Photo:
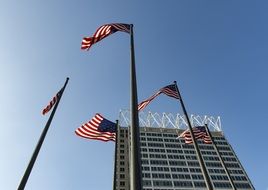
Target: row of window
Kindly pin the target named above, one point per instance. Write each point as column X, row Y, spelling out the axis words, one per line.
column 192, row 170
column 218, row 165
column 169, row 149
column 184, row 146
column 172, row 169
column 188, row 177
column 197, row 184
column 158, row 183
column 173, row 156
column 158, row 135
column 177, row 163
column 190, row 163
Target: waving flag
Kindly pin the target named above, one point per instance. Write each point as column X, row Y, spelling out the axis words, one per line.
column 98, row 128
column 103, row 32
column 52, row 103
column 169, row 90
column 199, row 133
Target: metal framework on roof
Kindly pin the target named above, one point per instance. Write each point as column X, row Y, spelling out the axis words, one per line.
column 169, row 120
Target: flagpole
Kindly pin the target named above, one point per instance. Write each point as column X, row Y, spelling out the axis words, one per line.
column 135, row 160
column 115, row 154
column 39, row 144
column 221, row 160
column 199, row 157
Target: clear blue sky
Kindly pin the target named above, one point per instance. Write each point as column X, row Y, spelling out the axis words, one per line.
column 215, row 50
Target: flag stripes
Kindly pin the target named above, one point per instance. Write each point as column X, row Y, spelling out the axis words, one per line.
column 98, row 128
column 199, row 133
column 144, row 103
column 102, row 32
column 52, row 103
column 169, row 90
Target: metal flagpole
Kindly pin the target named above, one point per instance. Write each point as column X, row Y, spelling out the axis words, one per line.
column 200, row 159
column 115, row 154
column 40, row 142
column 221, row 160
column 135, row 160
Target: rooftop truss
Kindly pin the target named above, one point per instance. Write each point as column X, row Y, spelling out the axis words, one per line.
column 169, row 120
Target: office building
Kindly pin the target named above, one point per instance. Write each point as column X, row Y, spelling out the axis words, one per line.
column 170, row 164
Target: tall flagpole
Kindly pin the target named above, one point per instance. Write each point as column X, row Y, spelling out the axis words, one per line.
column 115, row 153
column 39, row 144
column 221, row 160
column 200, row 159
column 135, row 160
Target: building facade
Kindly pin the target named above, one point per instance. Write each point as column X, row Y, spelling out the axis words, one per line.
column 170, row 164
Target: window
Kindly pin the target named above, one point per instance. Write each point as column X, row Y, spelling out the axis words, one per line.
column 162, row 183
column 219, row 177
column 144, row 161
column 177, row 163
column 199, row 184
column 181, row 176
column 211, row 158
column 224, row 148
column 191, row 157
column 193, row 163
column 179, row 170
column 232, row 165
column 218, row 171
column 122, row 183
column 174, row 151
column 195, row 176
column 183, row 184
column 222, row 185
column 213, row 164
column 195, row 170
column 158, row 156
column 236, row 171
column 242, row 185
column 144, row 155
column 158, row 162
column 161, row 175
column 166, row 169
column 145, row 168
column 176, row 156
column 146, row 183
column 239, row 178
column 146, row 175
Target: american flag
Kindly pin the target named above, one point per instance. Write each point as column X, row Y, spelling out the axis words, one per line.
column 199, row 133
column 103, row 32
column 169, row 90
column 52, row 103
column 98, row 128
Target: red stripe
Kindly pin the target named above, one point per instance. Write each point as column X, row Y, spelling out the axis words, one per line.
column 51, row 103
column 90, row 130
column 102, row 32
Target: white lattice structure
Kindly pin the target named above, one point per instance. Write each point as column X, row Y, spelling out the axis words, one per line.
column 168, row 120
